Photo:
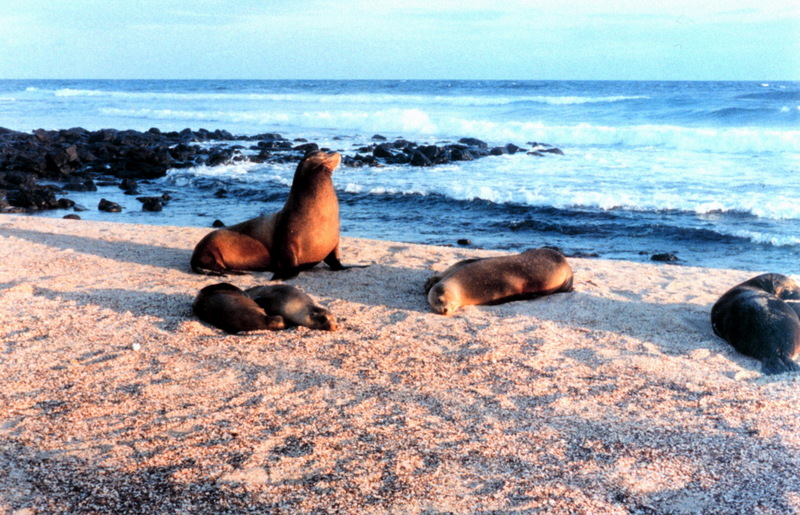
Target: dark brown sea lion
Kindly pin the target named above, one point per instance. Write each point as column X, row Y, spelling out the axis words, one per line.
column 294, row 305
column 303, row 233
column 761, row 318
column 227, row 307
column 531, row 274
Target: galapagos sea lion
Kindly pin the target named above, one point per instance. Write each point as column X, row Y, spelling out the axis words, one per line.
column 303, row 233
column 295, row 306
column 271, row 307
column 761, row 319
column 225, row 306
column 496, row 280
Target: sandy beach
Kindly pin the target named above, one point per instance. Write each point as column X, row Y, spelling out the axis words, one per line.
column 614, row 398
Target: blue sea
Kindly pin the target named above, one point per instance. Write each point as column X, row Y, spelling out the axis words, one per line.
column 708, row 171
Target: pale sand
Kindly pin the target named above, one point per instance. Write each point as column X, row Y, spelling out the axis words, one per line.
column 615, row 398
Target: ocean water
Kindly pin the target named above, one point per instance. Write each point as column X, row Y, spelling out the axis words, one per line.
column 709, row 171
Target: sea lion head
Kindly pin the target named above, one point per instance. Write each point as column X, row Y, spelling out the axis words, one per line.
column 789, row 290
column 444, row 298
column 319, row 159
column 322, row 319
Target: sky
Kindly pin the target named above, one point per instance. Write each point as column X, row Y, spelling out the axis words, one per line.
column 407, row 39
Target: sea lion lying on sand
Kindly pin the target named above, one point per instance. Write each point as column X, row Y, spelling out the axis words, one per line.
column 496, row 280
column 226, row 306
column 296, row 238
column 294, row 305
column 273, row 307
column 761, row 319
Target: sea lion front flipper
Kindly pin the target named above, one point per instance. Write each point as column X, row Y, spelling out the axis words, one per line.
column 333, row 262
column 431, row 282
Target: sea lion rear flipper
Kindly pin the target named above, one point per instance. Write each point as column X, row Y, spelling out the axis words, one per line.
column 778, row 365
column 285, row 273
column 568, row 285
column 217, row 273
column 347, row 267
column 275, row 323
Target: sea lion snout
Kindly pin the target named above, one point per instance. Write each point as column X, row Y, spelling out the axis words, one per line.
column 323, row 319
column 440, row 300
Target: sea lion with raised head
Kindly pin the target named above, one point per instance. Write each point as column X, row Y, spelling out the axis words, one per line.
column 761, row 318
column 295, row 306
column 303, row 233
column 496, row 280
column 226, row 306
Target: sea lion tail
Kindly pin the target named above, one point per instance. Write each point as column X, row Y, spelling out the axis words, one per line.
column 778, row 365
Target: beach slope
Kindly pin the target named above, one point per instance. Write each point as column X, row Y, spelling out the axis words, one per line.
column 614, row 398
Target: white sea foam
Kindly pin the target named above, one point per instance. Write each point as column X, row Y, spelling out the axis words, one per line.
column 233, row 170
column 575, row 100
column 770, row 239
column 734, row 140
column 717, row 157
column 417, row 122
column 351, row 98
column 647, row 183
column 612, row 199
column 198, row 116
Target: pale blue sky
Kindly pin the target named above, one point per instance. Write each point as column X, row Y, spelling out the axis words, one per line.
column 408, row 39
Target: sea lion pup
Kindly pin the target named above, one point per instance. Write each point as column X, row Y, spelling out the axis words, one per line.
column 227, row 307
column 294, row 305
column 496, row 280
column 761, row 319
column 303, row 233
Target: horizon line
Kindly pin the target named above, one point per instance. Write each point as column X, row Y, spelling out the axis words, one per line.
column 387, row 79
